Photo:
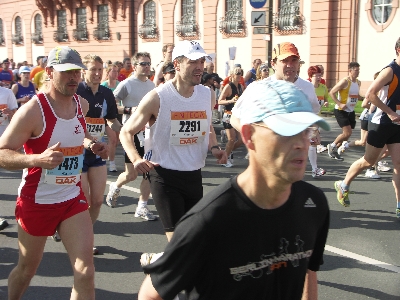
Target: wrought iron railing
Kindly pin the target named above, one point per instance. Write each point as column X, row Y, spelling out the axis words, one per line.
column 288, row 19
column 148, row 30
column 80, row 34
column 187, row 27
column 60, row 36
column 37, row 38
column 2, row 41
column 17, row 39
column 233, row 24
column 101, row 34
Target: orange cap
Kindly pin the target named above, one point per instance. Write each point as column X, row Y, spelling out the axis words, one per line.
column 284, row 50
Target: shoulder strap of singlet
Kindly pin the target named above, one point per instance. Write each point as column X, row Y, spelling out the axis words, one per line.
column 79, row 113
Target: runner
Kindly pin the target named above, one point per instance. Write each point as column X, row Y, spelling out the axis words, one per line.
column 262, row 234
column 229, row 95
column 130, row 93
column 102, row 108
column 25, row 89
column 286, row 61
column 251, row 74
column 8, row 107
column 167, row 57
column 6, row 75
column 50, row 190
column 347, row 91
column 384, row 129
column 179, row 116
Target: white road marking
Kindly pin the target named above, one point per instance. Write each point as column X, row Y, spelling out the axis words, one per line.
column 364, row 259
column 132, row 189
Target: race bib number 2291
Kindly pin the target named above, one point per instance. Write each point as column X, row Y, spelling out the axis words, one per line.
column 188, row 127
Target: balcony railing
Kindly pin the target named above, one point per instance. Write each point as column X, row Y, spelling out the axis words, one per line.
column 17, row 39
column 37, row 38
column 60, row 36
column 233, row 24
column 148, row 30
column 101, row 34
column 80, row 34
column 288, row 20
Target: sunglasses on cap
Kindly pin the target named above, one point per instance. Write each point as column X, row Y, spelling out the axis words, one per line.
column 144, row 63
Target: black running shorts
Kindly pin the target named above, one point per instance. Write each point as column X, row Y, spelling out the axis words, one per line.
column 174, row 193
column 381, row 134
column 345, row 118
column 139, row 149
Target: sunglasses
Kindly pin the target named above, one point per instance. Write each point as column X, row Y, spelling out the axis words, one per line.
column 171, row 72
column 309, row 131
column 264, row 70
column 144, row 63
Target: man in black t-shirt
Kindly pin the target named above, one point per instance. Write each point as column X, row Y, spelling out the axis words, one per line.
column 262, row 234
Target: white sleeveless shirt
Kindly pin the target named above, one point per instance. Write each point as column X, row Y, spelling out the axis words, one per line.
column 178, row 139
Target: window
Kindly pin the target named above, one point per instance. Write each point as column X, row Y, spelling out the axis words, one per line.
column 61, row 35
column 17, row 37
column 80, row 33
column 288, row 19
column 187, row 27
column 37, row 36
column 148, row 30
column 233, row 24
column 102, row 32
column 382, row 10
column 2, row 40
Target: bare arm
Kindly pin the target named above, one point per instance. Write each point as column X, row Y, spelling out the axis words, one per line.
column 247, row 76
column 384, row 77
column 147, row 290
column 310, row 291
column 158, row 74
column 339, row 86
column 147, row 110
column 226, row 92
column 17, row 133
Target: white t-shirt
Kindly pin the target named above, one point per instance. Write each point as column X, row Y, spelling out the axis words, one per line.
column 7, row 100
column 307, row 88
column 131, row 91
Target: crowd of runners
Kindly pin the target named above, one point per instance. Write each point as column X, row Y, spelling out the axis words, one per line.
column 164, row 119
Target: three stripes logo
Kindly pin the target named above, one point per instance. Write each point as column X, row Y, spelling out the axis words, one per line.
column 309, row 203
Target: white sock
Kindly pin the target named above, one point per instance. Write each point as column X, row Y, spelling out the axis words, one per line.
column 312, row 157
column 141, row 204
column 112, row 162
column 333, row 145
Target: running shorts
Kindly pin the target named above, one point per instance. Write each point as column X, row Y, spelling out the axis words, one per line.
column 139, row 149
column 381, row 134
column 92, row 162
column 345, row 118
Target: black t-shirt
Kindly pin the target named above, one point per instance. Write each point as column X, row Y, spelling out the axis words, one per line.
column 235, row 91
column 101, row 105
column 226, row 247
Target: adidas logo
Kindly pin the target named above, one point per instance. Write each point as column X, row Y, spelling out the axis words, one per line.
column 309, row 203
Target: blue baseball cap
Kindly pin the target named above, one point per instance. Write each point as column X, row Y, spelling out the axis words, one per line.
column 24, row 69
column 283, row 107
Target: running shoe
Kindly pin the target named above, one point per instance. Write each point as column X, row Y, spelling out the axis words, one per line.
column 398, row 212
column 321, row 148
column 333, row 153
column 342, row 196
column 318, row 172
column 3, row 224
column 56, row 237
column 372, row 174
column 95, row 251
column 148, row 258
column 343, row 147
column 112, row 167
column 383, row 166
column 144, row 213
column 113, row 194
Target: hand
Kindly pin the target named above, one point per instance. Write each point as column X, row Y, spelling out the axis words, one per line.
column 6, row 111
column 143, row 166
column 50, row 158
column 100, row 149
column 220, row 155
column 394, row 117
column 342, row 106
column 326, row 104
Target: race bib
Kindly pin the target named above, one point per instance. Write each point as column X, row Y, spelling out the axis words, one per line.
column 188, row 127
column 226, row 118
column 352, row 101
column 69, row 171
column 96, row 127
column 3, row 118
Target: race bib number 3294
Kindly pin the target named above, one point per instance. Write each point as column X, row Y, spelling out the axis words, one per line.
column 188, row 127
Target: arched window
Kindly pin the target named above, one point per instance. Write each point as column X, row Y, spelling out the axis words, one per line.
column 187, row 26
column 37, row 36
column 382, row 10
column 17, row 37
column 2, row 40
column 102, row 32
column 148, row 30
column 233, row 23
column 80, row 33
column 61, row 35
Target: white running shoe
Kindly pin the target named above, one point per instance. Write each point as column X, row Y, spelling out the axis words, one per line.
column 113, row 194
column 56, row 237
column 148, row 258
column 112, row 167
column 321, row 148
column 383, row 166
column 144, row 213
column 373, row 174
column 318, row 172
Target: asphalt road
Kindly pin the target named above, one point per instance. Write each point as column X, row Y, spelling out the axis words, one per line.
column 362, row 258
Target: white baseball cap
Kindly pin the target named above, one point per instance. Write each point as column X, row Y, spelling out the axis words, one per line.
column 189, row 49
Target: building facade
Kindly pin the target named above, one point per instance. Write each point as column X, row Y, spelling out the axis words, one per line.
column 331, row 32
